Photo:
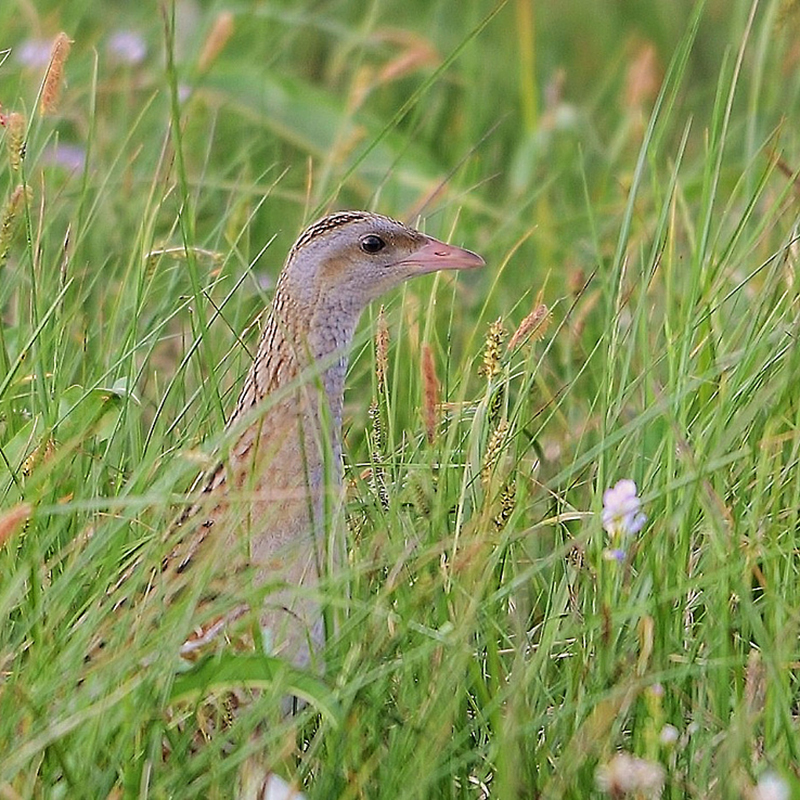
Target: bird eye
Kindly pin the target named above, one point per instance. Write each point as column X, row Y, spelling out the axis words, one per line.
column 372, row 244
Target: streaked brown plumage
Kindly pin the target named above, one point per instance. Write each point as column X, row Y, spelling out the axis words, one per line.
column 269, row 501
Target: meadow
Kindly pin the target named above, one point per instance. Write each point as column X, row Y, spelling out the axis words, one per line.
column 631, row 174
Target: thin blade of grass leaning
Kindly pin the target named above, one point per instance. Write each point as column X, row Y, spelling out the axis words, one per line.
column 187, row 211
column 666, row 99
column 234, row 670
column 54, row 306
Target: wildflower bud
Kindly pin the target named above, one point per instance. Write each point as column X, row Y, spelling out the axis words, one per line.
column 15, row 124
column 430, row 388
column 54, row 77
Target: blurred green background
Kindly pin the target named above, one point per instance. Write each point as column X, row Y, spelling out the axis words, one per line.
column 512, row 110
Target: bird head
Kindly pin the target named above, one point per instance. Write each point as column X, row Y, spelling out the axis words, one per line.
column 352, row 257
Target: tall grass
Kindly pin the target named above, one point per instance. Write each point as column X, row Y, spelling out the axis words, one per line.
column 633, row 169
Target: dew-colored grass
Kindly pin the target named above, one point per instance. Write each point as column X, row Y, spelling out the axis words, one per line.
column 633, row 167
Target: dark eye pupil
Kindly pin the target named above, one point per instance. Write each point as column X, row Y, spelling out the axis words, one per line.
column 372, row 244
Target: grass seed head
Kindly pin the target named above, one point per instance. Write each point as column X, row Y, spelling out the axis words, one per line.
column 381, row 352
column 377, row 475
column 494, row 449
column 430, row 384
column 508, row 497
column 15, row 123
column 492, row 350
column 377, row 435
column 10, row 216
column 54, row 77
column 41, row 454
column 643, row 78
column 534, row 326
column 13, row 520
column 420, row 498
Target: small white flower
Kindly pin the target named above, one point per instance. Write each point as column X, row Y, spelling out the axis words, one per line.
column 770, row 786
column 276, row 788
column 669, row 735
column 628, row 774
column 622, row 509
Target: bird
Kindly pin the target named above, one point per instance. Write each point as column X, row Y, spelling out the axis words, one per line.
column 267, row 504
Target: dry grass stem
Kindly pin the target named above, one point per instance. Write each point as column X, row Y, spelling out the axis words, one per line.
column 643, row 78
column 220, row 33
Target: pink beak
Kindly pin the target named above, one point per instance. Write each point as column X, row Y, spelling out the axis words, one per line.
column 435, row 255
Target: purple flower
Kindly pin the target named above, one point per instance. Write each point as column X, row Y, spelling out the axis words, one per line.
column 622, row 509
column 127, row 47
column 615, row 554
column 34, row 53
column 71, row 157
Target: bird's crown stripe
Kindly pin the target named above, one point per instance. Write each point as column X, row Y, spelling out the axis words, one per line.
column 326, row 224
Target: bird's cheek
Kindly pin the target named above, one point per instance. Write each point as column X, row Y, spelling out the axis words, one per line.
column 377, row 288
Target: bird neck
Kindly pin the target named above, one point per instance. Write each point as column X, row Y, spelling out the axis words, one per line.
column 309, row 341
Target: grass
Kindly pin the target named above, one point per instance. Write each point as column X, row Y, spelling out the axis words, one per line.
column 633, row 167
